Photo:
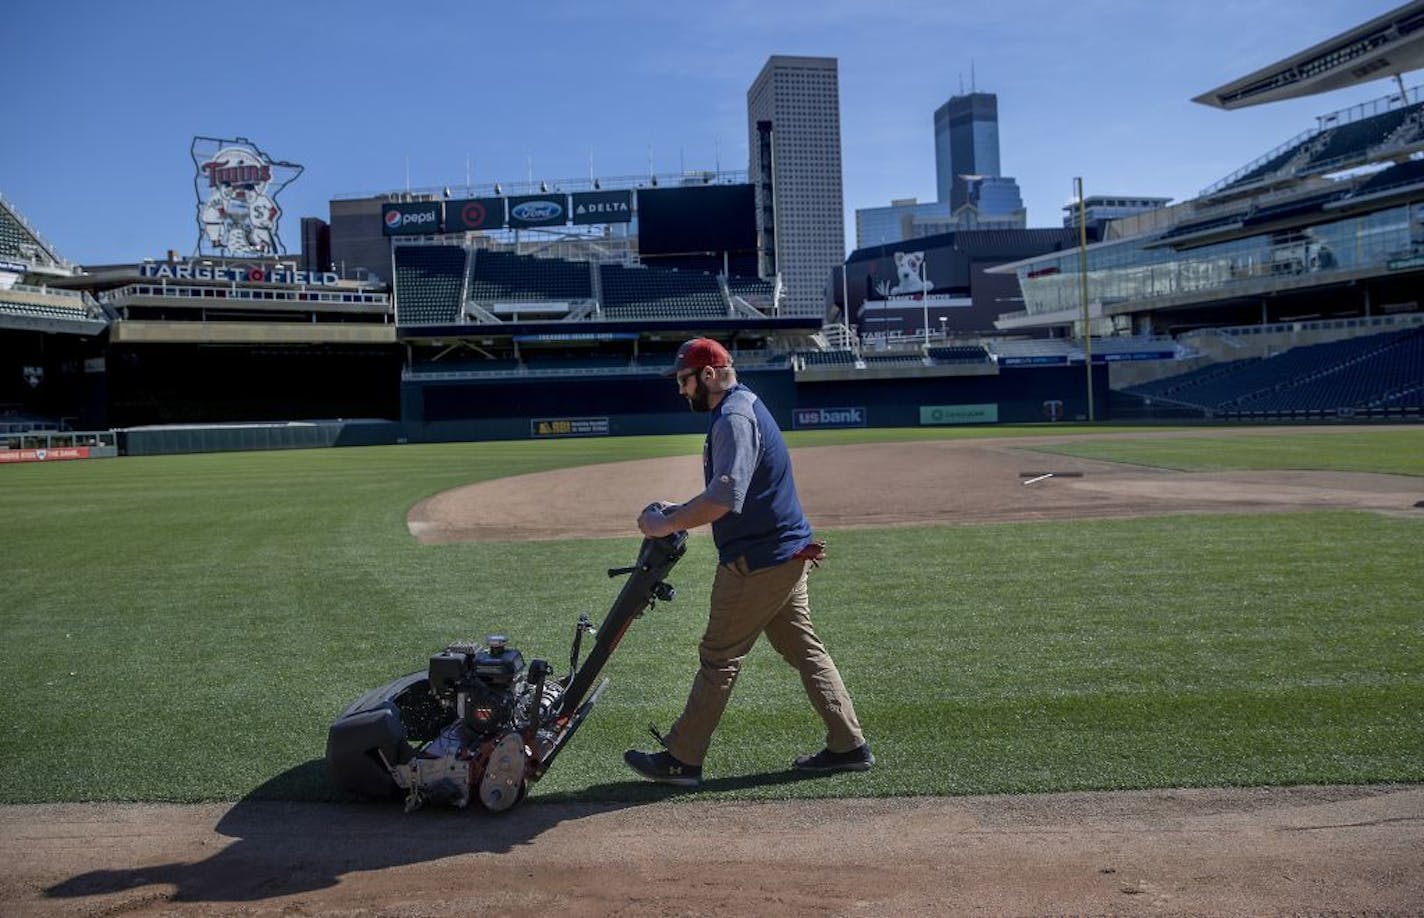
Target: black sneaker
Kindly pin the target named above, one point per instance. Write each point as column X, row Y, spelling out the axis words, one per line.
column 858, row 759
column 663, row 768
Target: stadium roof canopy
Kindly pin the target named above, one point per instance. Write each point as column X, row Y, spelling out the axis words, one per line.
column 1388, row 45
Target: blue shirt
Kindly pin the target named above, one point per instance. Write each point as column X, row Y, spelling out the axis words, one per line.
column 747, row 467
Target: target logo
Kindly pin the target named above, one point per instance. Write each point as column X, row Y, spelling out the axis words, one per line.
column 473, row 214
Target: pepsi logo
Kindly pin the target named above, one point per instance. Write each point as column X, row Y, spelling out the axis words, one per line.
column 393, row 218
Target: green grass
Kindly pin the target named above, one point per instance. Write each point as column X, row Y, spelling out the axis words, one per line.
column 184, row 628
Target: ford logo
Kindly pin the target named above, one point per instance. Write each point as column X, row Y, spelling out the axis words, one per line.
column 393, row 218
column 536, row 210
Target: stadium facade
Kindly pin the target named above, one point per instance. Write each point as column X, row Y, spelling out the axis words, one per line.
column 1288, row 289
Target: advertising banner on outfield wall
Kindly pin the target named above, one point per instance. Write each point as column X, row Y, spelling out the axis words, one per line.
column 603, row 207
column 417, row 218
column 807, row 418
column 538, row 210
column 568, row 427
column 474, row 214
column 52, row 454
column 959, row 414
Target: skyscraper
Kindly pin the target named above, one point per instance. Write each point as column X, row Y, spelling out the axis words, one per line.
column 805, row 223
column 966, row 130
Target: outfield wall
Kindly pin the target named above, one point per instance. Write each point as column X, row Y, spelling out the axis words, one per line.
column 505, row 408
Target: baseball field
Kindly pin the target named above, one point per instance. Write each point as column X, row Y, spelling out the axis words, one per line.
column 1101, row 669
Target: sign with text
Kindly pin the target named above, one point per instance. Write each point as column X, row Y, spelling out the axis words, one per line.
column 53, row 454
column 808, row 418
column 959, row 414
column 242, row 274
column 603, row 207
column 237, row 185
column 416, row 218
column 568, row 427
column 538, row 210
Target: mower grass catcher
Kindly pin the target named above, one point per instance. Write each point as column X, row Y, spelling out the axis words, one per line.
column 478, row 722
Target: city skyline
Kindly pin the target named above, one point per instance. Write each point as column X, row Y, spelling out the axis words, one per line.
column 368, row 101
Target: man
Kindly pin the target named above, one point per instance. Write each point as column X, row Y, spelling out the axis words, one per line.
column 765, row 551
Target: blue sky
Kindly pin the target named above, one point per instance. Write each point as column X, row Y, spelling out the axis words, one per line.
column 105, row 98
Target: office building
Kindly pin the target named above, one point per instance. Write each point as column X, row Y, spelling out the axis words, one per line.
column 794, row 131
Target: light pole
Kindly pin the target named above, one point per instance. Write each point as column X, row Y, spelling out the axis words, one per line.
column 925, row 304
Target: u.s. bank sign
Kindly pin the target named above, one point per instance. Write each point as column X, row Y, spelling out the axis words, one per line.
column 805, row 418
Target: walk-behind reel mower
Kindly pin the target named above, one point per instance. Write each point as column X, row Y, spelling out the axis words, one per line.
column 479, row 722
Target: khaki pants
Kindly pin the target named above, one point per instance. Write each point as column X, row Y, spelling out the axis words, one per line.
column 744, row 604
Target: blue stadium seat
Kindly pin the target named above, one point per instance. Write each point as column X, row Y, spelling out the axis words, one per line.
column 1351, row 373
column 428, row 282
column 511, row 278
column 657, row 293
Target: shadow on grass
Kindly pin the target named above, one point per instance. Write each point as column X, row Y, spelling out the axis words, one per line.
column 283, row 847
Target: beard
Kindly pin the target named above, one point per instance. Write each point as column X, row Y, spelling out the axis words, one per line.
column 700, row 400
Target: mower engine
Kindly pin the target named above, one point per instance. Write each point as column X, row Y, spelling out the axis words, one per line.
column 478, row 722
column 494, row 707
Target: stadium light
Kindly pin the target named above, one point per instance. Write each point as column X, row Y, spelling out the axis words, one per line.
column 925, row 305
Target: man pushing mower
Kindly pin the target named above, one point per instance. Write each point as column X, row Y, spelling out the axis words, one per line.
column 765, row 552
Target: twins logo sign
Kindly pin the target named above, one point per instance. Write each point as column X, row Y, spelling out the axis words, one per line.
column 804, row 418
column 237, row 186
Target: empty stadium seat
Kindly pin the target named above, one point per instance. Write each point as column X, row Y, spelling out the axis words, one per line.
column 1352, row 373
column 498, row 276
column 656, row 293
column 428, row 283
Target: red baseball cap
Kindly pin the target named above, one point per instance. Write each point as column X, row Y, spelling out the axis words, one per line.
column 699, row 353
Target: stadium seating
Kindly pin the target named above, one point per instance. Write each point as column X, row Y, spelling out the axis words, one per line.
column 959, row 354
column 1350, row 373
column 893, row 360
column 1351, row 141
column 508, row 277
column 43, row 311
column 757, row 293
column 428, row 283
column 1390, row 369
column 1406, row 173
column 1179, row 386
column 655, row 293
column 1273, row 164
column 826, row 358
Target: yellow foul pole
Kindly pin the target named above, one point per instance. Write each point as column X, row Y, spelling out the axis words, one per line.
column 1083, row 280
